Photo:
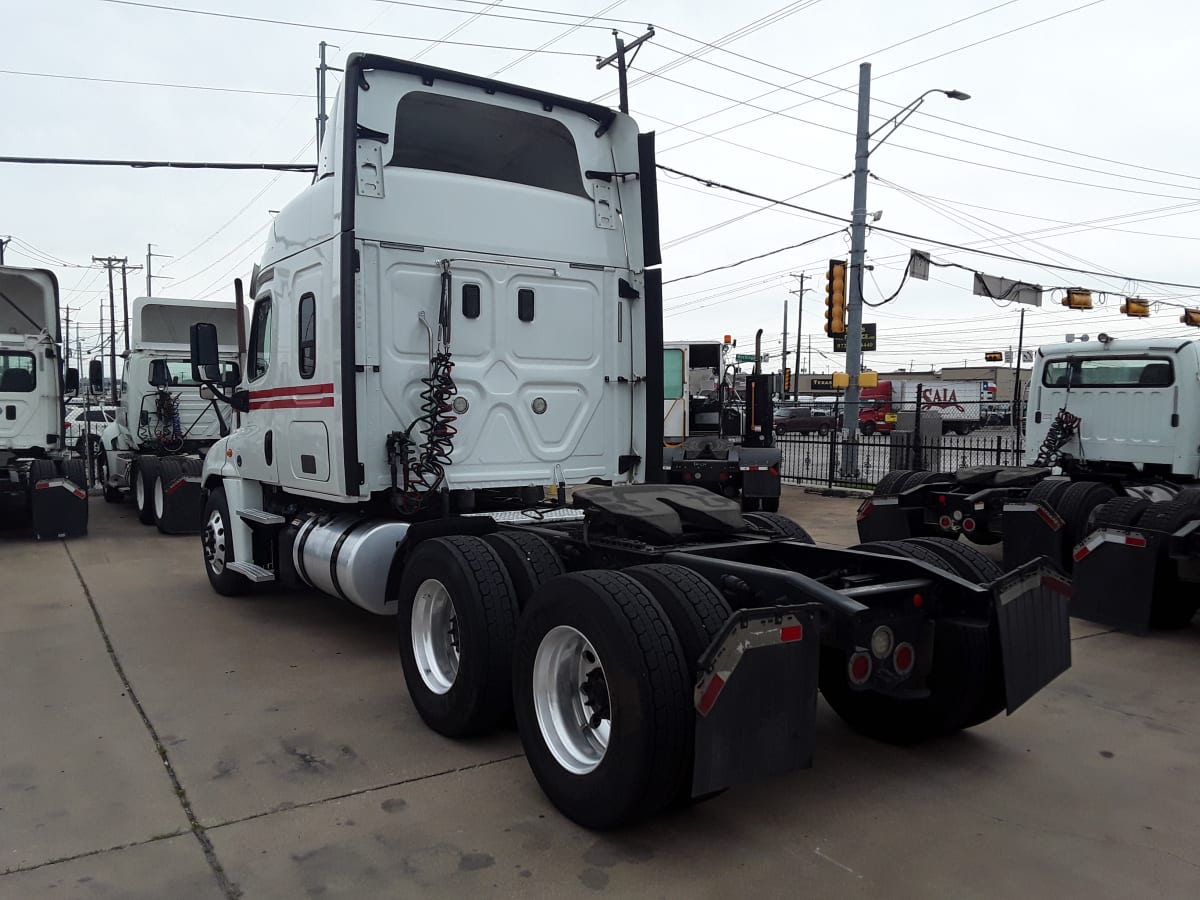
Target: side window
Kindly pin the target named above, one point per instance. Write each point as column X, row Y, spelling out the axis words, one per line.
column 672, row 374
column 260, row 339
column 308, row 335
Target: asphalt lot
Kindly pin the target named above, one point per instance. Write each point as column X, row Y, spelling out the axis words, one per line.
column 160, row 741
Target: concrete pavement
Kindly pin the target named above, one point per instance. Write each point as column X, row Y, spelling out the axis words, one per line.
column 157, row 740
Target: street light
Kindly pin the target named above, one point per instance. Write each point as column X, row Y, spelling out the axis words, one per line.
column 858, row 238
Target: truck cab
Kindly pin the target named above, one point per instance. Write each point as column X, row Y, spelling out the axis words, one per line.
column 31, row 388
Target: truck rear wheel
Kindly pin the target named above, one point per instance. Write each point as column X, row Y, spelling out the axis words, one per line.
column 908, row 550
column 1076, row 505
column 217, row 540
column 893, row 482
column 965, row 685
column 779, row 525
column 602, row 698
column 1120, row 513
column 963, row 559
column 169, row 471
column 1175, row 602
column 141, row 477
column 457, row 616
column 529, row 560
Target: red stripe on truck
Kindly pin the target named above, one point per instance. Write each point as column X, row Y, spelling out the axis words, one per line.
column 292, row 403
column 289, row 391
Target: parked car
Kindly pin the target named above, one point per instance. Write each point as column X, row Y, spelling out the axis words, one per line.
column 83, row 421
column 804, row 420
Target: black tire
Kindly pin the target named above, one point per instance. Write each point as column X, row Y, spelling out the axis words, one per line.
column 779, row 525
column 893, row 482
column 1121, row 512
column 824, row 430
column 919, row 478
column 697, row 612
column 1048, row 492
column 42, row 470
column 483, row 617
column 75, row 471
column 217, row 543
column 1076, row 505
column 908, row 550
column 750, row 504
column 98, row 459
column 866, row 429
column 170, row 470
column 1190, row 494
column 141, row 474
column 644, row 681
column 770, row 504
column 112, row 494
column 965, row 688
column 529, row 560
column 1175, row 602
column 966, row 562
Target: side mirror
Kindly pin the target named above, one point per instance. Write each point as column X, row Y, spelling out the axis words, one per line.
column 207, row 393
column 72, row 381
column 160, row 376
column 206, row 363
column 96, row 376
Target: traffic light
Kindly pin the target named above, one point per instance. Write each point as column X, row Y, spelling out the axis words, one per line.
column 1078, row 298
column 787, row 380
column 993, row 357
column 1191, row 317
column 835, row 297
column 1135, row 307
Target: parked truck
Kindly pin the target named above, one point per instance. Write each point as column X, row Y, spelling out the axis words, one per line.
column 164, row 426
column 416, row 365
column 1108, row 488
column 40, row 487
column 962, row 406
column 698, row 448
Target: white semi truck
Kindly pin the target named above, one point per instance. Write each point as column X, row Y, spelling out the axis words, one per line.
column 39, row 485
column 465, row 305
column 1112, row 430
column 163, row 426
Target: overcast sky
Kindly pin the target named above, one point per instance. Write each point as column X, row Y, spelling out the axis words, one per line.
column 1077, row 146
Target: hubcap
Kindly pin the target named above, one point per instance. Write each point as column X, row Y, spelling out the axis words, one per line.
column 435, row 637
column 214, row 542
column 570, row 697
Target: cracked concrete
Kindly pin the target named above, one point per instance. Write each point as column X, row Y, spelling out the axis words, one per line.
column 265, row 747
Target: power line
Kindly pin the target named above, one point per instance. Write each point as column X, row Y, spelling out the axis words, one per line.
column 155, row 164
column 158, row 84
column 290, row 24
column 505, row 15
column 921, row 238
column 554, row 40
column 548, row 12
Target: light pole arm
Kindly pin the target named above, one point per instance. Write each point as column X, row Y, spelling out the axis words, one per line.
column 897, row 120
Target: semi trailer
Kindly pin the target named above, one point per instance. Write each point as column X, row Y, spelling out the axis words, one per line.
column 163, row 426
column 962, row 406
column 40, row 486
column 417, row 369
column 1112, row 457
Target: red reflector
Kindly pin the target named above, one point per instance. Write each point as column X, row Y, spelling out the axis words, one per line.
column 1081, row 553
column 1047, row 518
column 791, row 633
column 773, row 470
column 1058, row 585
column 864, row 510
column 942, row 499
column 903, row 658
column 860, row 668
column 918, row 600
column 176, row 486
column 1134, row 540
column 968, row 525
column 724, row 476
column 41, row 485
column 80, row 494
column 945, row 522
column 710, row 694
column 687, row 476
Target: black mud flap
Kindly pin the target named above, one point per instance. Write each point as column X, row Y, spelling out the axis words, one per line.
column 182, row 506
column 1035, row 639
column 756, row 698
column 886, row 519
column 1031, row 530
column 1114, row 577
column 59, row 509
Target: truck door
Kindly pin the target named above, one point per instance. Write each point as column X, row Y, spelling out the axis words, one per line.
column 675, row 394
column 25, row 397
column 255, row 450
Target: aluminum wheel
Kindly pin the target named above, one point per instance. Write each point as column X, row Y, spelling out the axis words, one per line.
column 214, row 542
column 159, row 500
column 570, row 697
column 435, row 636
column 139, row 490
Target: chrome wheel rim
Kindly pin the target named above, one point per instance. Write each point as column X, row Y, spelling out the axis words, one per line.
column 159, row 501
column 214, row 542
column 570, row 697
column 435, row 636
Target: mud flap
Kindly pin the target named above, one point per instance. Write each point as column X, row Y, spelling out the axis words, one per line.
column 181, row 506
column 59, row 509
column 1031, row 530
column 1035, row 639
column 1114, row 577
column 756, row 698
column 886, row 519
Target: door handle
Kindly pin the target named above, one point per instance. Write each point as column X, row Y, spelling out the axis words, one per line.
column 269, row 446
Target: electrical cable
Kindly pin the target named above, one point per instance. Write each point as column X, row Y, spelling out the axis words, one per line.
column 752, row 258
column 156, row 164
column 158, row 84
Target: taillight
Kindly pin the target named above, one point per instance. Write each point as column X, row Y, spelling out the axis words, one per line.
column 859, row 668
column 903, row 658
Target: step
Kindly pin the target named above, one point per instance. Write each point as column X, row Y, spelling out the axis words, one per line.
column 255, row 573
column 260, row 517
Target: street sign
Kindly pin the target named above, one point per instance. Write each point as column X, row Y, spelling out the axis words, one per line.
column 868, row 339
column 821, row 384
column 744, row 357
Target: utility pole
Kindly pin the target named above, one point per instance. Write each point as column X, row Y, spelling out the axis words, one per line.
column 67, row 339
column 3, row 243
column 799, row 326
column 322, row 118
column 783, row 369
column 125, row 298
column 110, row 262
column 858, row 252
column 1016, row 402
column 150, row 254
column 623, row 64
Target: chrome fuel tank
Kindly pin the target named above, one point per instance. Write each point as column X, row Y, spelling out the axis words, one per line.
column 349, row 557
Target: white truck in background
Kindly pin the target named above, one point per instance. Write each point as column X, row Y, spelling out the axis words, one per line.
column 39, row 485
column 163, row 426
column 961, row 405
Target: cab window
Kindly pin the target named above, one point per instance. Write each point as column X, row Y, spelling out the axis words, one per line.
column 1110, row 372
column 307, row 333
column 260, row 339
column 18, row 372
column 672, row 374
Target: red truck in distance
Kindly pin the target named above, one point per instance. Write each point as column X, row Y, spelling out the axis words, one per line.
column 959, row 403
